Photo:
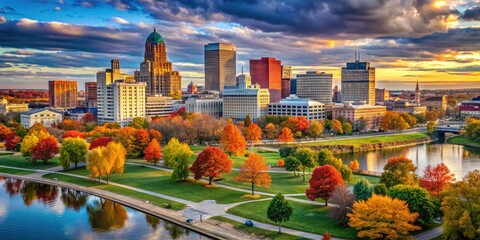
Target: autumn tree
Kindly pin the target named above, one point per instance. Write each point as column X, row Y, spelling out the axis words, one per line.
column 12, row 142
column 392, row 121
column 380, row 189
column 343, row 200
column 292, row 164
column 255, row 172
column 306, row 157
column 248, row 120
column 104, row 161
column 362, row 189
column 271, row 131
column 431, row 127
column 437, row 178
column 233, row 141
column 72, row 134
column 290, row 123
column 126, row 137
column 73, row 150
column 302, row 124
column 347, row 127
column 88, row 118
column 336, row 127
column 142, row 138
column 326, row 236
column 45, row 149
column 281, row 162
column 286, row 136
column 155, row 134
column 175, row 151
column 138, row 123
column 392, row 219
column 354, row 165
column 253, row 133
column 399, row 170
column 315, row 130
column 100, row 142
column 279, row 210
column 322, row 183
column 211, row 163
column 418, row 200
column 153, row 152
column 4, row 132
column 31, row 140
column 461, row 212
column 409, row 118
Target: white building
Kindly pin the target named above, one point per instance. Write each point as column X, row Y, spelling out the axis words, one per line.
column 316, row 86
column 158, row 106
column 245, row 99
column 296, row 107
column 45, row 116
column 213, row 107
column 119, row 100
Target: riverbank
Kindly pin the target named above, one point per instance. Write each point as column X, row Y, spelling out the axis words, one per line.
column 462, row 140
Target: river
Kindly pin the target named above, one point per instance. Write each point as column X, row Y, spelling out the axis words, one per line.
column 30, row 210
column 458, row 158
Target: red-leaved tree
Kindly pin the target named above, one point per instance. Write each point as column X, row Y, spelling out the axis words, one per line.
column 88, row 118
column 142, row 138
column 4, row 132
column 45, row 149
column 436, row 178
column 12, row 141
column 153, row 152
column 302, row 124
column 72, row 134
column 100, row 142
column 155, row 134
column 323, row 182
column 211, row 163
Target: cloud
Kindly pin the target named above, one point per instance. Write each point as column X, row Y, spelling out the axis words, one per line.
column 472, row 14
column 119, row 20
column 57, row 9
column 60, row 2
column 3, row 19
column 8, row 10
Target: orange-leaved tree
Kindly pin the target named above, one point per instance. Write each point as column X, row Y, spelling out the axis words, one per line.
column 142, row 138
column 302, row 124
column 286, row 136
column 253, row 133
column 72, row 134
column 382, row 217
column 254, row 171
column 437, row 178
column 155, row 134
column 211, row 163
column 354, row 165
column 233, row 141
column 324, row 180
column 153, row 152
column 271, row 131
column 336, row 127
column 4, row 132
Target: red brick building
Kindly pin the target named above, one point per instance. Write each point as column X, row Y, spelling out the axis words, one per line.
column 267, row 72
column 62, row 94
column 285, row 87
column 192, row 88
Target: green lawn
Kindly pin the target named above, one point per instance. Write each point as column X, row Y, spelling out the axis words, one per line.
column 305, row 217
column 156, row 180
column 21, row 162
column 15, row 171
column 5, row 153
column 257, row 232
column 161, row 202
column 197, row 148
column 462, row 140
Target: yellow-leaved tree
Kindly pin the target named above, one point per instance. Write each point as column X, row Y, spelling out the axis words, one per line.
column 104, row 161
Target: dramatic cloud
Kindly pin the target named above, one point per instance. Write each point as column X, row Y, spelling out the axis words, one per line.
column 472, row 14
column 119, row 20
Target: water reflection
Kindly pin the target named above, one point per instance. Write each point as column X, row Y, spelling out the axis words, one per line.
column 12, row 186
column 105, row 215
column 44, row 193
column 73, row 199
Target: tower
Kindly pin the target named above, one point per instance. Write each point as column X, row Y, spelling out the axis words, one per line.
column 417, row 94
column 267, row 72
column 220, row 66
column 358, row 82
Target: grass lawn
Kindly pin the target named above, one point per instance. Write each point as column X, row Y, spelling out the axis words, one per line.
column 304, row 197
column 15, row 171
column 161, row 202
column 257, row 232
column 6, row 153
column 21, row 162
column 462, row 140
column 305, row 217
column 197, row 148
column 159, row 181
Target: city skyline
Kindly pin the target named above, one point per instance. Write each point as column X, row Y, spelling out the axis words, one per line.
column 433, row 41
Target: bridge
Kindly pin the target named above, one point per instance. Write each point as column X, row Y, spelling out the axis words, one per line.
column 448, row 127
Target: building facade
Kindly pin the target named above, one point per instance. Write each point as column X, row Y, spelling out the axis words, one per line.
column 316, row 86
column 285, row 87
column 158, row 106
column 293, row 86
column 91, row 94
column 156, row 71
column 246, row 99
column 358, row 82
column 212, row 106
column 46, row 117
column 62, row 94
column 381, row 95
column 360, row 114
column 267, row 72
column 296, row 107
column 220, row 66
column 438, row 102
column 192, row 88
column 6, row 107
column 470, row 108
column 286, row 72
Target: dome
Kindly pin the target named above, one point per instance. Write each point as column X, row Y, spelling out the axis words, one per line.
column 154, row 37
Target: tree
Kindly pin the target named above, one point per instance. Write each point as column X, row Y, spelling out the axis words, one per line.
column 73, row 150
column 286, row 136
column 142, row 138
column 391, row 218
column 287, row 151
column 326, row 236
column 153, row 152
column 324, row 180
column 211, row 163
column 279, row 210
column 346, row 172
column 88, row 118
column 255, row 172
column 104, row 161
column 418, row 200
column 336, row 127
column 280, row 163
column 248, row 120
column 431, row 127
column 12, row 142
column 302, row 124
column 31, row 140
column 324, row 156
column 409, row 119
column 180, row 171
column 392, row 121
column 253, row 133
column 435, row 179
column 315, row 130
column 362, row 189
column 343, row 199
column 347, row 127
column 271, row 131
column 399, row 170
column 100, row 142
column 72, row 134
column 233, row 141
column 126, row 136
column 380, row 189
column 354, row 165
column 292, row 164
column 4, row 132
column 328, row 124
column 432, row 115
column 361, row 125
column 306, row 157
column 138, row 123
column 45, row 149
column 69, row 125
column 460, row 208
column 155, row 134
column 290, row 123
column 174, row 151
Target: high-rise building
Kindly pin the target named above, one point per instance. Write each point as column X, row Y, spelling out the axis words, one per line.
column 119, row 100
column 293, row 86
column 62, row 94
column 192, row 88
column 286, row 72
column 245, row 99
column 267, row 72
column 358, row 82
column 156, row 71
column 220, row 66
column 91, row 94
column 336, row 95
column 285, row 87
column 381, row 95
column 316, row 86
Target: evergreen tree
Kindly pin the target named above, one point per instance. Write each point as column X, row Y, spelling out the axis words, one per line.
column 279, row 210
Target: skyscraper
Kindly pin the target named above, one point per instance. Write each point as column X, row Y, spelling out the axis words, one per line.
column 220, row 66
column 267, row 72
column 316, row 86
column 358, row 82
column 91, row 94
column 156, row 70
column 286, row 76
column 62, row 94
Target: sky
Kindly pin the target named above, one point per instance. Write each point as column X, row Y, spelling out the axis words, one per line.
column 434, row 41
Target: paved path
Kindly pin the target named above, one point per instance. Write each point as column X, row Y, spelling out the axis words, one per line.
column 430, row 234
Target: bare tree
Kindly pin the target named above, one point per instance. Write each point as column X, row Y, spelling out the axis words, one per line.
column 343, row 200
